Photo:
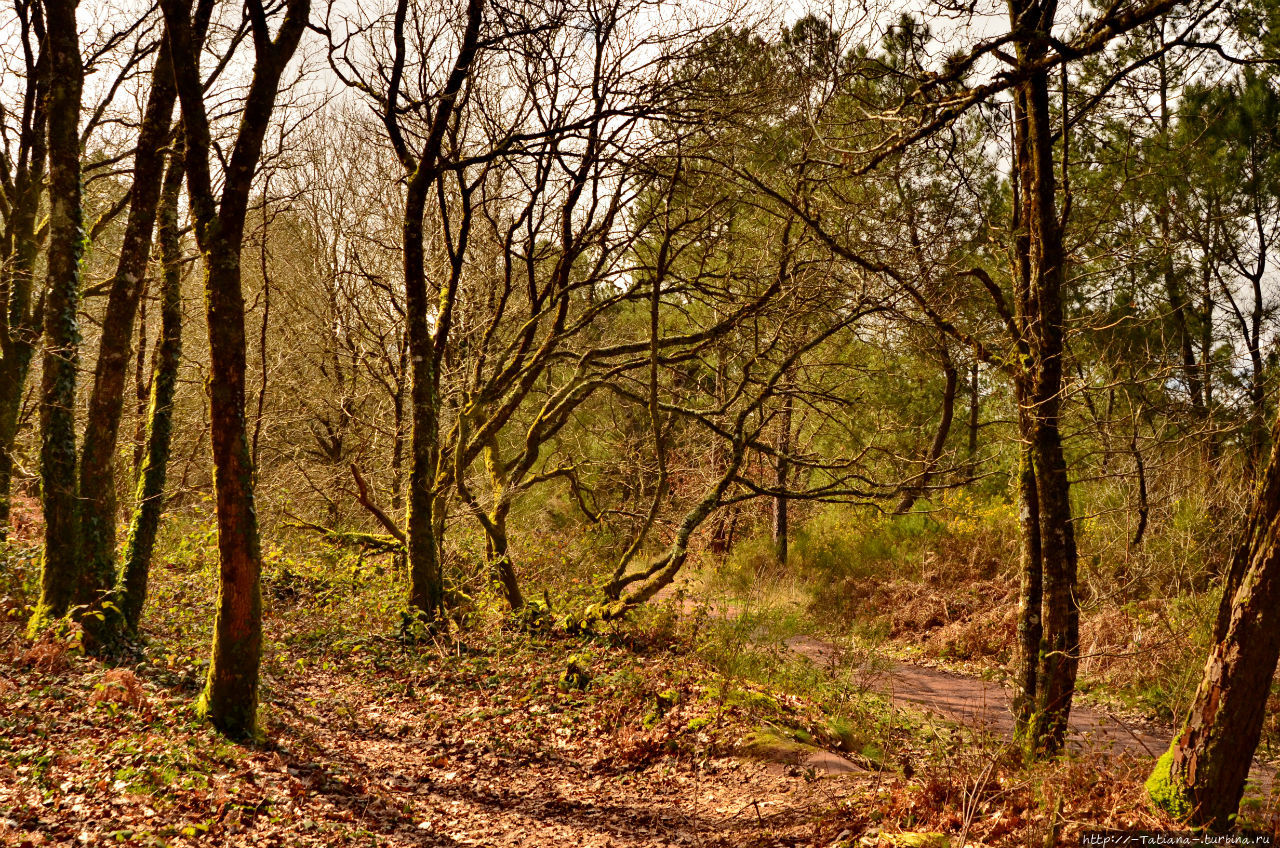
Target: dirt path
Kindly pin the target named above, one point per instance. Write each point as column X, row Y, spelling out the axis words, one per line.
column 988, row 705
column 350, row 755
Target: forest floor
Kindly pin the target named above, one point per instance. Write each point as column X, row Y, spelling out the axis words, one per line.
column 630, row 737
column 689, row 724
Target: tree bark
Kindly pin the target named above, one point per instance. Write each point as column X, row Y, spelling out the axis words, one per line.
column 503, row 572
column 975, row 412
column 1040, row 259
column 950, row 388
column 106, row 400
column 426, row 585
column 782, row 471
column 721, row 525
column 1031, row 589
column 1201, row 777
column 20, row 322
column 145, row 522
column 141, row 388
column 1144, row 506
column 61, row 582
column 230, row 696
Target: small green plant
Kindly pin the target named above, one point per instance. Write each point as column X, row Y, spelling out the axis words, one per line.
column 577, row 673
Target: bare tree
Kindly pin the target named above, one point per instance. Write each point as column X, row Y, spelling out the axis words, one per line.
column 230, row 696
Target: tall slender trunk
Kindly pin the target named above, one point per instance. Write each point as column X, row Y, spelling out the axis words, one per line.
column 1144, row 506
column 398, row 437
column 1177, row 298
column 106, row 400
column 1256, row 438
column 423, row 167
column 1061, row 642
column 499, row 557
column 782, row 473
column 426, row 584
column 722, row 523
column 1206, row 357
column 230, row 696
column 61, row 583
column 263, row 331
column 975, row 412
column 145, row 522
column 1031, row 590
column 141, row 388
column 951, row 385
column 1040, row 257
column 14, row 369
column 1201, row 777
column 20, row 322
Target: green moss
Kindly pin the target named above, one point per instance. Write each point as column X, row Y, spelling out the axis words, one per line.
column 1165, row 792
column 577, row 673
column 766, row 743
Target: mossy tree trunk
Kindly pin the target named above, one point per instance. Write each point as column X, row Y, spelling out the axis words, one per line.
column 496, row 540
column 145, row 522
column 1201, row 778
column 230, row 696
column 1044, row 711
column 1031, row 588
column 426, row 583
column 61, row 581
column 427, row 328
column 22, row 187
column 106, row 401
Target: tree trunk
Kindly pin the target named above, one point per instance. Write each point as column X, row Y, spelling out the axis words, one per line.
column 230, row 696
column 1144, row 506
column 61, row 583
column 426, row 501
column 1061, row 616
column 1206, row 359
column 503, row 572
column 975, row 411
column 426, row 585
column 722, row 523
column 21, row 324
column 1031, row 590
column 1201, row 777
column 141, row 389
column 782, row 470
column 106, row 401
column 1039, row 303
column 398, row 438
column 145, row 522
column 952, row 378
column 13, row 380
column 1177, row 298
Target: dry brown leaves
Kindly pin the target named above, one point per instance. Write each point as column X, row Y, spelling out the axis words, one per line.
column 119, row 686
column 50, row 653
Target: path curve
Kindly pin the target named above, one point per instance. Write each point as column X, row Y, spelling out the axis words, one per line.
column 988, row 705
